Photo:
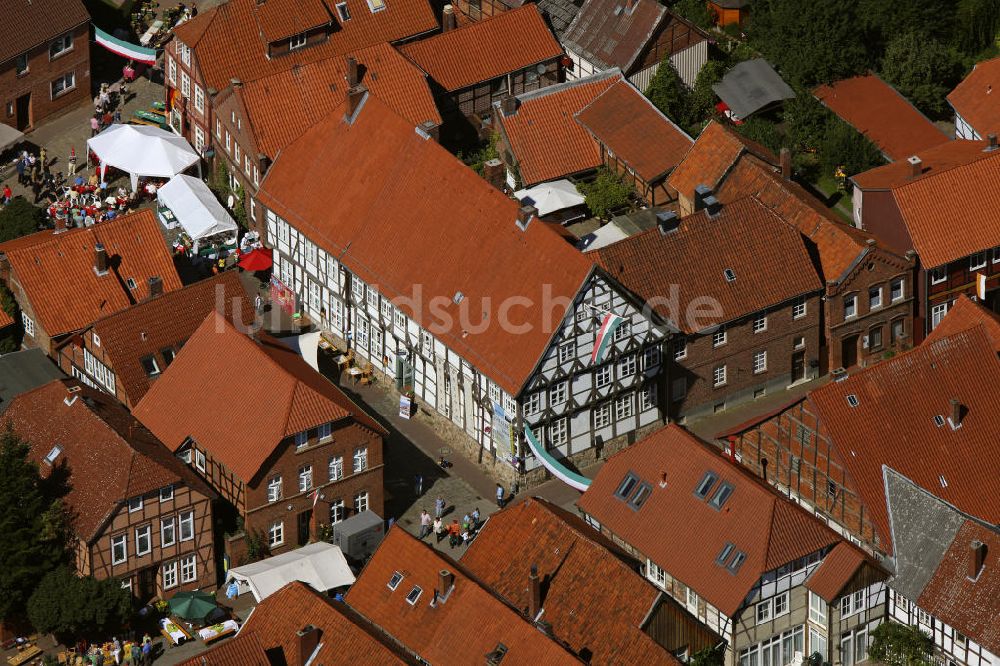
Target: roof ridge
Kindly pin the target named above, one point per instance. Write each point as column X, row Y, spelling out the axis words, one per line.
column 931, row 176
column 538, row 93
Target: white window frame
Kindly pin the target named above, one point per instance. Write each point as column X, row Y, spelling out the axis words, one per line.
column 134, row 504
column 119, row 541
column 335, row 468
column 533, row 403
column 648, row 397
column 361, row 501
column 296, row 41
column 301, row 439
column 627, row 366
column 850, row 306
column 189, row 569
column 939, row 275
column 169, row 575
column 305, row 478
column 901, row 283
column 66, row 46
column 559, row 432
column 276, row 533
column 650, row 358
column 567, row 351
column 144, row 532
column 759, row 362
column 559, row 393
column 199, row 138
column 324, row 432
column 199, row 459
column 603, row 375
column 185, row 84
column 680, row 348
column 936, row 310
column 623, row 331
column 763, row 612
column 199, row 98
column 874, row 298
column 799, row 308
column 602, row 415
column 817, row 609
column 360, row 461
column 186, row 523
column 719, row 376
column 719, row 337
column 337, row 511
column 172, row 71
column 624, row 406
column 168, row 532
column 166, row 493
column 784, row 610
column 274, row 489
column 977, row 260
column 68, row 81
column 760, row 324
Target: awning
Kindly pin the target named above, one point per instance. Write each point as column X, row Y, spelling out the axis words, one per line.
column 143, row 150
column 550, row 197
column 578, row 481
column 306, row 345
column 9, row 136
column 195, row 207
column 320, row 565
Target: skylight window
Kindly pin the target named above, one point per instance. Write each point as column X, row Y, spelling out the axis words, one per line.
column 53, row 454
column 627, row 485
column 705, row 486
column 852, row 400
column 723, row 557
column 413, row 595
column 641, row 495
column 730, row 275
column 938, row 420
column 376, row 5
column 724, row 492
column 343, row 12
column 396, row 579
column 737, row 562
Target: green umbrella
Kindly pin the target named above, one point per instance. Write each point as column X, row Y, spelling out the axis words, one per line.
column 192, row 605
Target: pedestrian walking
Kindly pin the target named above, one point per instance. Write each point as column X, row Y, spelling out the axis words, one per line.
column 95, row 125
column 147, row 652
column 418, row 485
column 439, row 529
column 425, row 524
column 439, row 506
column 7, row 194
column 258, row 303
column 22, row 164
column 475, row 518
column 500, row 496
column 42, row 155
column 71, row 162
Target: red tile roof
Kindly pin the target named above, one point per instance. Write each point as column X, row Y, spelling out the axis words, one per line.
column 836, row 571
column 311, row 92
column 166, row 322
column 609, row 35
column 973, row 98
column 27, row 24
column 56, row 271
column 5, row 319
column 768, row 256
column 390, row 212
column 897, row 402
column 707, row 162
column 690, row 535
column 485, row 50
column 593, row 599
column 227, row 41
column 878, row 111
column 469, row 623
column 240, row 417
column 935, row 159
column 109, row 455
column 270, row 634
column 946, row 218
column 971, row 606
column 286, row 18
column 963, row 315
column 543, row 136
column 637, row 133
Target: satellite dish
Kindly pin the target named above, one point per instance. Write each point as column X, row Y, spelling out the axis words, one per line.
column 230, row 201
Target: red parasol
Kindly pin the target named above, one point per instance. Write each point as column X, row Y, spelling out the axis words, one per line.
column 256, row 260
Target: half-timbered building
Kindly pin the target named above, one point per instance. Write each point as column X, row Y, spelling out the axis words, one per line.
column 139, row 514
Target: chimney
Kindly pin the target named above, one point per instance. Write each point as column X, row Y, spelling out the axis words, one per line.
column 508, row 106
column 525, row 215
column 352, row 72
column 493, row 172
column 446, row 580
column 264, row 163
column 977, row 560
column 355, row 95
column 155, row 286
column 916, row 166
column 236, row 83
column 667, row 222
column 100, row 259
column 992, row 142
column 701, row 192
column 429, row 128
column 786, row 163
column 308, row 639
column 712, row 205
column 448, row 21
column 956, row 413
column 534, row 593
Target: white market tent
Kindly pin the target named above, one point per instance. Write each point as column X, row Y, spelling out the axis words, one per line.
column 551, row 197
column 320, row 565
column 196, row 208
column 143, row 150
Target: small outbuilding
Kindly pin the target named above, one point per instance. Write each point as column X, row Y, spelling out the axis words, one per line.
column 752, row 86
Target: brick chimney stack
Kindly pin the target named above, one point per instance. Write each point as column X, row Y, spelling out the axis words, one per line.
column 352, row 72
column 448, row 19
column 307, row 640
column 493, row 172
column 916, row 166
column 956, row 412
column 977, row 559
column 155, row 286
column 525, row 215
column 100, row 259
column 534, row 593
column 355, row 95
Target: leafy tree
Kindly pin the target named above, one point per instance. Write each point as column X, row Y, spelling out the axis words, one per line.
column 19, row 218
column 810, row 42
column 709, row 656
column 843, row 146
column 977, row 23
column 668, row 92
column 884, row 18
column 10, row 337
column 607, row 193
column 31, row 546
column 697, row 12
column 900, row 645
column 764, row 131
column 806, row 120
column 257, row 546
column 701, row 100
column 71, row 606
column 922, row 69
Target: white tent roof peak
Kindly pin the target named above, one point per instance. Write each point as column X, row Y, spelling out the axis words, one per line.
column 320, row 565
column 143, row 150
column 195, row 207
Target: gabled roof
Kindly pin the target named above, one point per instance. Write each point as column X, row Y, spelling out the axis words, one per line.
column 707, row 161
column 166, row 322
column 387, row 212
column 485, row 50
column 207, row 394
column 973, row 98
column 971, row 606
column 637, row 132
column 593, row 598
column 310, row 92
column 768, row 256
column 614, row 33
column 877, row 110
column 894, row 424
column 951, row 215
column 750, row 86
column 229, row 41
column 286, row 18
column 690, row 535
column 56, row 271
column 934, row 160
column 836, row 571
column 559, row 14
column 964, row 315
column 24, row 370
column 270, row 634
column 109, row 456
column 28, row 24
column 466, row 622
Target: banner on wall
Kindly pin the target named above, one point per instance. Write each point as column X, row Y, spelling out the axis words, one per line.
column 503, row 433
column 282, row 295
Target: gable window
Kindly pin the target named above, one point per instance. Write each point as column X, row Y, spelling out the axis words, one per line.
column 427, row 342
column 558, row 433
column 760, row 324
column 169, row 575
column 799, row 308
column 655, row 574
column 850, row 306
column 759, row 362
column 719, row 337
column 305, row 478
column 135, row 504
column 143, row 540
column 719, row 376
column 187, row 525
column 297, row 42
column 119, row 549
column 533, row 404
column 400, row 320
column 342, row 12
column 939, row 275
column 167, row 533
column 150, row 366
column 602, row 415
column 567, row 351
column 199, row 459
column 624, row 406
column 166, row 493
column 874, row 298
column 276, row 533
column 680, row 349
column 335, row 468
column 274, row 489
column 559, row 393
column 626, row 366
column 61, row 45
column 977, row 260
column 896, row 289
column 603, row 375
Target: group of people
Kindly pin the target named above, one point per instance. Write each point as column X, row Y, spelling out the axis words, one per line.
column 107, row 111
column 33, row 171
column 131, row 653
column 456, row 532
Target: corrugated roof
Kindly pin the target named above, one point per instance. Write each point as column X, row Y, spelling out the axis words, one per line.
column 767, row 255
column 877, row 110
column 469, row 623
column 386, row 212
column 952, row 214
column 934, row 160
column 485, row 50
column 768, row 529
column 240, row 417
column 613, row 33
column 835, row 571
column 635, row 131
column 963, row 315
column 56, row 271
column 750, row 86
column 973, row 98
column 593, row 598
column 28, row 24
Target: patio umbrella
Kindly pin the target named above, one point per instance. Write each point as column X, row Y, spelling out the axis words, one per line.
column 256, row 260
column 192, row 605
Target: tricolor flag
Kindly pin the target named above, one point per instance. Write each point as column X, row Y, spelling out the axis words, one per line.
column 315, row 497
column 609, row 324
column 981, row 286
column 124, row 49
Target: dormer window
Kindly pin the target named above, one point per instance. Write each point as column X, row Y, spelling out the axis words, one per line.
column 150, row 366
column 342, row 12
column 297, row 42
column 376, row 5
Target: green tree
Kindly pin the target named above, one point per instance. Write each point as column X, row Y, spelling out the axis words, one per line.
column 805, row 122
column 709, row 656
column 31, row 546
column 764, row 131
column 701, row 100
column 668, row 93
column 977, row 23
column 606, row 193
column 900, row 645
column 923, row 70
column 71, row 606
column 19, row 218
column 843, row 146
column 10, row 337
column 697, row 12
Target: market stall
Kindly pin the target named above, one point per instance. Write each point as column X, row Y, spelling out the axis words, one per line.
column 320, row 565
column 187, row 201
column 142, row 150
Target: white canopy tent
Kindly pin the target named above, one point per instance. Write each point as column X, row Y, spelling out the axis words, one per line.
column 306, row 345
column 550, row 197
column 320, row 565
column 143, row 150
column 196, row 208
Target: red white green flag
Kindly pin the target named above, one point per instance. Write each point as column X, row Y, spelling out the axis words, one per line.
column 605, row 334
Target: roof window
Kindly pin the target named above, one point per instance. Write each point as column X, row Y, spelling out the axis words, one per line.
column 852, row 400
column 627, row 485
column 150, row 366
column 53, row 454
column 413, row 595
column 737, row 562
column 938, row 420
column 730, row 275
column 342, row 12
column 723, row 557
column 640, row 497
column 396, row 579
column 724, row 492
column 705, row 486
column 376, row 5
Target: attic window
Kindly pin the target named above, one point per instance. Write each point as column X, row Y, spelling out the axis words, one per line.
column 342, row 12
column 727, row 550
column 640, row 497
column 705, row 486
column 150, row 366
column 297, row 42
column 131, row 283
column 53, row 454
column 730, row 275
column 852, row 400
column 724, row 492
column 627, row 485
column 938, row 420
column 396, row 579
column 168, row 356
column 737, row 562
column 414, row 594
column 376, row 5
